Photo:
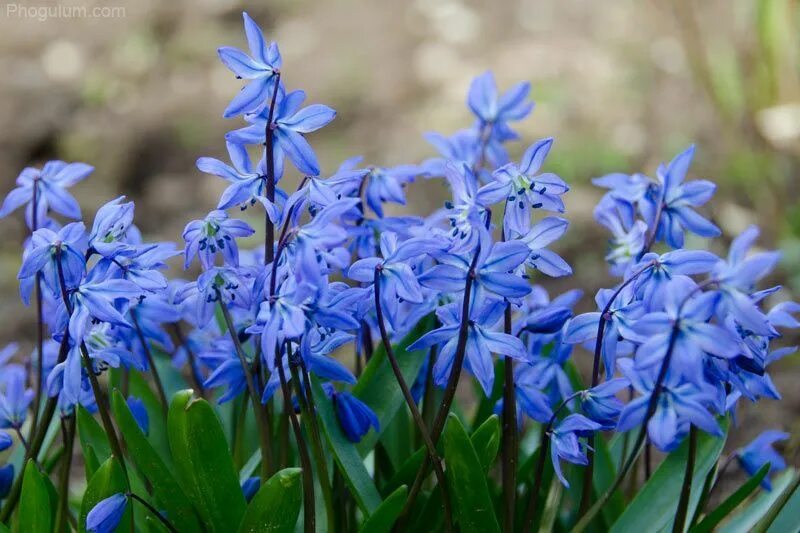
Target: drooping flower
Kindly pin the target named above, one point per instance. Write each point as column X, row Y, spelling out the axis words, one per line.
column 215, row 233
column 106, row 515
column 759, row 452
column 250, row 487
column 261, row 68
column 5, row 441
column 51, row 183
column 111, row 224
column 355, row 417
column 15, row 397
column 50, row 252
column 565, row 442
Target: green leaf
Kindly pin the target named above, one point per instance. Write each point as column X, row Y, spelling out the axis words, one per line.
column 250, row 466
column 35, row 506
column 276, row 505
column 788, row 518
column 731, row 502
column 386, row 515
column 345, row 453
column 745, row 520
column 203, row 462
column 654, row 506
column 466, row 481
column 486, row 441
column 108, row 480
column 94, row 442
column 165, row 488
column 377, row 386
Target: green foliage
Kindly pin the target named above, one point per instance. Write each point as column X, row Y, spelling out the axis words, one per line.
column 36, row 503
column 276, row 505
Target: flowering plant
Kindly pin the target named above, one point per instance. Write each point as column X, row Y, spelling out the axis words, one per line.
column 223, row 401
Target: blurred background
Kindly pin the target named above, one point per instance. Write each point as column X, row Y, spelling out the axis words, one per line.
column 621, row 85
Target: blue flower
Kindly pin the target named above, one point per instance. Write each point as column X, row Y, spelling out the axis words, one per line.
column 5, row 441
column 289, row 124
column 601, row 404
column 95, row 299
column 386, row 185
column 139, row 412
column 47, row 248
column 355, row 417
column 261, row 67
column 495, row 109
column 526, row 189
column 628, row 235
column 565, row 442
column 469, row 210
column 15, row 397
column 482, row 342
column 530, row 397
column 677, row 201
column 249, row 487
column 544, row 369
column 247, row 185
column 680, row 404
column 463, row 146
column 213, row 285
column 737, row 278
column 760, row 452
column 111, row 224
column 215, row 233
column 106, row 515
column 545, row 232
column 659, row 270
column 51, row 183
column 6, row 480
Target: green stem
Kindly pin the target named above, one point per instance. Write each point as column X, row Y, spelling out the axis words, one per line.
column 166, row 523
column 509, row 467
column 68, row 435
column 151, row 361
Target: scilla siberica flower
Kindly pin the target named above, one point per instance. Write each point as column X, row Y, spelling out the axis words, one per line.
column 5, row 441
column 15, row 397
column 565, row 442
column 759, row 452
column 107, row 514
column 355, row 417
column 261, row 68
column 6, row 479
column 111, row 224
column 52, row 252
column 50, row 183
column 215, row 233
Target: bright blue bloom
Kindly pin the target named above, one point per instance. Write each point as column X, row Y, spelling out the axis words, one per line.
column 680, row 404
column 15, row 397
column 386, row 185
column 261, row 67
column 469, row 210
column 139, row 412
column 51, row 183
column 215, row 233
column 627, row 234
column 565, row 442
column 543, row 233
column 689, row 312
column 226, row 369
column 107, row 514
column 737, row 278
column 46, row 246
column 482, row 342
column 140, row 264
column 493, row 270
column 678, row 200
column 526, row 189
column 530, row 397
column 759, row 452
column 492, row 108
column 354, row 416
column 95, row 299
column 6, row 480
column 247, row 184
column 544, row 369
column 5, row 441
column 659, row 270
column 601, row 404
column 463, row 146
column 289, row 125
column 111, row 224
column 249, row 487
column 213, row 285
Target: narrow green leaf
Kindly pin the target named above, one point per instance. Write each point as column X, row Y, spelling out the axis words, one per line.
column 386, row 515
column 788, row 518
column 486, row 441
column 107, row 481
column 250, row 466
column 276, row 505
column 745, row 520
column 654, row 506
column 346, row 455
column 731, row 502
column 466, row 481
column 94, row 442
column 203, row 461
column 377, row 386
column 35, row 509
column 152, row 467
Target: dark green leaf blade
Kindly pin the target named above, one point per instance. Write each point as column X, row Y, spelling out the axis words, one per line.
column 35, row 510
column 345, row 453
column 203, row 461
column 108, row 480
column 166, row 489
column 731, row 502
column 276, row 505
column 466, row 481
column 386, row 515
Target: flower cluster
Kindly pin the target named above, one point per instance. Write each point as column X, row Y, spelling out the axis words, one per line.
column 686, row 332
